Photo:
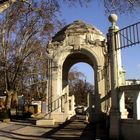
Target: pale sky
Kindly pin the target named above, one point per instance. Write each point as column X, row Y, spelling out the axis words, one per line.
column 95, row 15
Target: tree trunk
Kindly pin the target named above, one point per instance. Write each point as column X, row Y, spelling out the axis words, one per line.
column 11, row 99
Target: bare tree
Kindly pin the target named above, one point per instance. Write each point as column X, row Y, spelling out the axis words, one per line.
column 25, row 30
column 119, row 6
column 23, row 35
column 79, row 87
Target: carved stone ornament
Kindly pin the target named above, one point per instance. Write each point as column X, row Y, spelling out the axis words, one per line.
column 77, row 32
column 75, row 36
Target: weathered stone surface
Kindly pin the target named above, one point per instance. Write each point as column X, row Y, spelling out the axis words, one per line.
column 77, row 33
column 78, row 27
column 76, row 42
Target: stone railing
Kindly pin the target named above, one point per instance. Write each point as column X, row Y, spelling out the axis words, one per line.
column 129, row 101
column 56, row 104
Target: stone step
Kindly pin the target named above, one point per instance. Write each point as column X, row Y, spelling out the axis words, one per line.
column 45, row 122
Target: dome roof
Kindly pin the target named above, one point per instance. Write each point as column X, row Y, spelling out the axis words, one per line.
column 78, row 27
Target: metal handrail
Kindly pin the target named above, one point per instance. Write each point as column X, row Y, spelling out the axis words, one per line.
column 129, row 36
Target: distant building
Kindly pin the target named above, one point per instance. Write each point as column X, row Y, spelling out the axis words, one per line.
column 132, row 81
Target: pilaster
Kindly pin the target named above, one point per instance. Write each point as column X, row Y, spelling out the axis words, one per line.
column 114, row 63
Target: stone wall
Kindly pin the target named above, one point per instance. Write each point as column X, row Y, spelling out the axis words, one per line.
column 130, row 129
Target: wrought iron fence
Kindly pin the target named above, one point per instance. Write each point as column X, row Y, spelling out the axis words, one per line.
column 129, row 36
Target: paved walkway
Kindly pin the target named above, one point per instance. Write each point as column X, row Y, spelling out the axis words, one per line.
column 75, row 129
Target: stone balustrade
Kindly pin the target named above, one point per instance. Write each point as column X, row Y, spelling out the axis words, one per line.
column 129, row 101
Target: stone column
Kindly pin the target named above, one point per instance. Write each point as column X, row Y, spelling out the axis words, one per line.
column 90, row 107
column 88, row 103
column 72, row 101
column 63, row 103
column 136, row 105
column 49, row 87
column 54, row 90
column 114, row 61
column 97, row 113
column 123, row 110
column 65, row 93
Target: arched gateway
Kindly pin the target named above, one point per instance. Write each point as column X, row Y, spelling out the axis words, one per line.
column 80, row 42
column 77, row 42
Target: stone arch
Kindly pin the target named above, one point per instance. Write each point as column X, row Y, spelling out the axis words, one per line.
column 83, row 43
column 90, row 58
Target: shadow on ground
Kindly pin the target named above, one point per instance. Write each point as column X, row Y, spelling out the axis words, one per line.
column 78, row 129
column 74, row 129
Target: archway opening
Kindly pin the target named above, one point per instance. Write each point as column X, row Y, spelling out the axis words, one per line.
column 81, row 82
column 85, row 64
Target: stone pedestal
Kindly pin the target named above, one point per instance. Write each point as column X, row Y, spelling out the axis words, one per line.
column 114, row 124
column 45, row 122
